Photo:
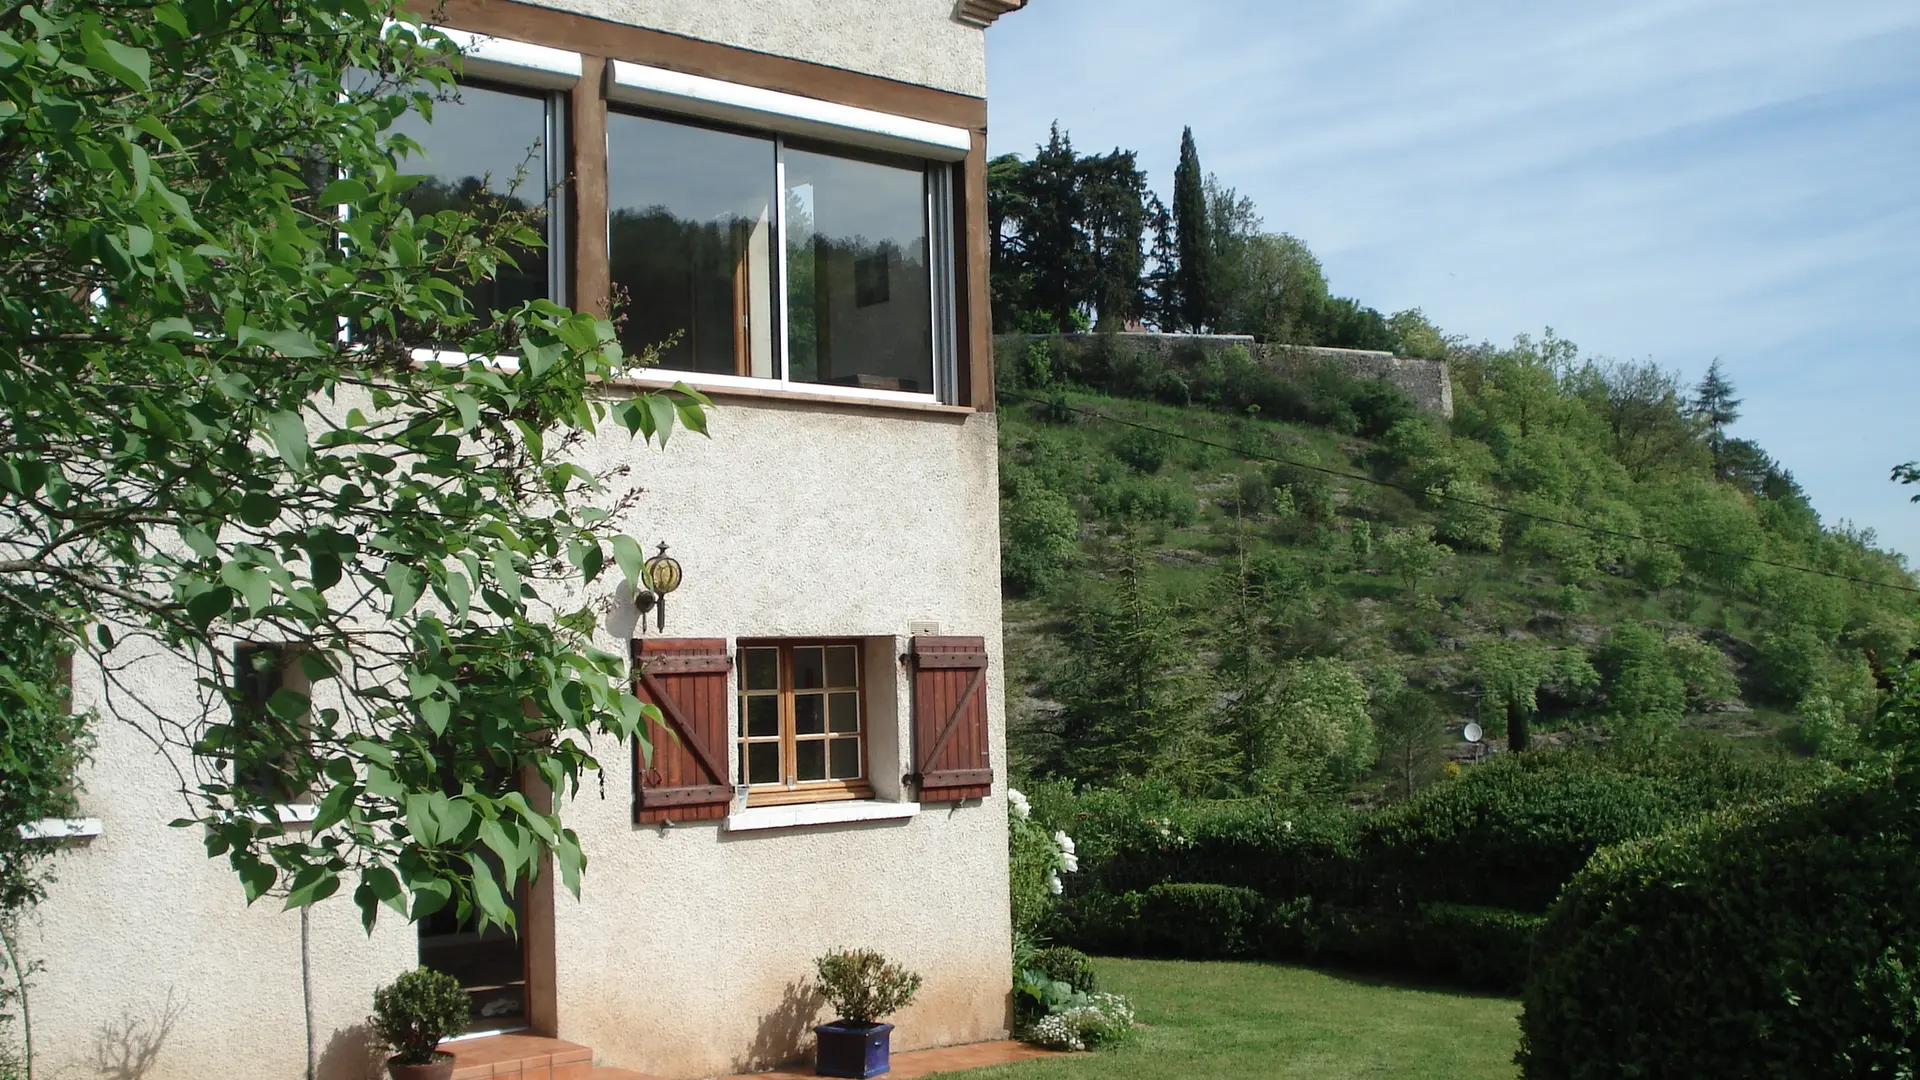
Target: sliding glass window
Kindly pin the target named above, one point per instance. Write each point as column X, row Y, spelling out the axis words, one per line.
column 490, row 150
column 745, row 256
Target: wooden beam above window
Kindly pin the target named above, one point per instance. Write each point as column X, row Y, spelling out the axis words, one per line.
column 981, row 13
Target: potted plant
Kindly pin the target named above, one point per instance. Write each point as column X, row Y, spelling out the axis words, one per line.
column 862, row 987
column 412, row 1014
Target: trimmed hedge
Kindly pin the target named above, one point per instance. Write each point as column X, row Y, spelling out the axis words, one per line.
column 1509, row 834
column 1451, row 883
column 1784, row 942
column 1477, row 947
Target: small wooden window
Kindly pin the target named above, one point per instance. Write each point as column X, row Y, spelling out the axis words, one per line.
column 260, row 671
column 802, row 726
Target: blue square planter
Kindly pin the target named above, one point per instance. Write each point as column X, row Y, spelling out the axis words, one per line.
column 852, row 1050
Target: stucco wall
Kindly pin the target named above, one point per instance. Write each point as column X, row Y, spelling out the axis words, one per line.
column 682, row 956
column 916, row 41
column 154, row 965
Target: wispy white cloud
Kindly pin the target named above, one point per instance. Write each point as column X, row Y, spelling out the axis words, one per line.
column 1680, row 179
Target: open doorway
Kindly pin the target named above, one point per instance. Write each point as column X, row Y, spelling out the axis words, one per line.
column 491, row 964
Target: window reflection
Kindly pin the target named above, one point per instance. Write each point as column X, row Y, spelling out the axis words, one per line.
column 692, row 244
column 859, row 298
column 486, row 152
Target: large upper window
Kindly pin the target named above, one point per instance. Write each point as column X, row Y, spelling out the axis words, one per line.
column 491, row 149
column 755, row 257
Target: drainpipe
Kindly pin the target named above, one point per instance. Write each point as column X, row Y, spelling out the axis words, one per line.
column 306, row 989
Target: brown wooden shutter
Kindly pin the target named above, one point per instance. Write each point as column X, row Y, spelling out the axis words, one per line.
column 686, row 678
column 951, row 757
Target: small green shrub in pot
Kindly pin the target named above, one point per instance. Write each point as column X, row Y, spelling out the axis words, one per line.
column 414, row 1012
column 863, row 986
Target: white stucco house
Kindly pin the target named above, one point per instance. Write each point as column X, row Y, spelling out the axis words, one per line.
column 797, row 190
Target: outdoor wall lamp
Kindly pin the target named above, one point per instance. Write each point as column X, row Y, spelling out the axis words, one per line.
column 661, row 575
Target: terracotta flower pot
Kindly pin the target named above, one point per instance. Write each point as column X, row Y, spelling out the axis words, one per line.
column 440, row 1068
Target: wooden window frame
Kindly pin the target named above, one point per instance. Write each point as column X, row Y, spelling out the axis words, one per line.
column 801, row 791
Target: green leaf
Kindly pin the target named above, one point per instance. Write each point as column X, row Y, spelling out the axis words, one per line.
column 256, row 877
column 420, row 820
column 627, row 553
column 289, row 434
column 403, row 584
column 378, row 885
column 334, row 807
column 162, row 329
column 429, row 895
column 288, row 704
column 571, row 860
column 454, row 816
column 663, row 414
column 469, row 410
column 459, row 595
column 142, row 166
column 292, row 344
column 124, row 62
column 343, row 191
column 436, row 712
column 495, row 837
column 504, row 571
column 486, row 892
column 152, row 126
column 203, row 608
column 250, row 582
column 259, row 509
column 311, row 885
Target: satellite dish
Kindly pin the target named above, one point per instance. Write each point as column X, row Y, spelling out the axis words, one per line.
column 1472, row 732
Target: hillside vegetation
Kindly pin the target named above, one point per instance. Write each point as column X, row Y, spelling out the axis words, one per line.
column 1303, row 585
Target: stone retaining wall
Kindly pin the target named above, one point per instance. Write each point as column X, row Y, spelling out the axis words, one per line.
column 1425, row 381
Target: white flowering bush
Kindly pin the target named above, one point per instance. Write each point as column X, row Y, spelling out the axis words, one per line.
column 1037, row 858
column 1093, row 1020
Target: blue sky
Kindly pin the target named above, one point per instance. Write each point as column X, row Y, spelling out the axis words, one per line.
column 1671, row 181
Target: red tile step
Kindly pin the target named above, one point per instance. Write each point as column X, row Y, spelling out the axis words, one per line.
column 522, row 1057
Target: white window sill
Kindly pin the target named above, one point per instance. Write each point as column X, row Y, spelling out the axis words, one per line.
column 708, row 381
column 289, row 814
column 62, row 829
column 823, row 813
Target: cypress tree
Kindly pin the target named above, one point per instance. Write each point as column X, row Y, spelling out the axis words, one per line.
column 1196, row 276
column 1715, row 406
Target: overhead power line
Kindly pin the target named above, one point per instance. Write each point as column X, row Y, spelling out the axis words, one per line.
column 1363, row 478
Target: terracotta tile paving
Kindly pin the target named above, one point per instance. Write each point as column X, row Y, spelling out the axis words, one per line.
column 530, row 1057
column 917, row 1063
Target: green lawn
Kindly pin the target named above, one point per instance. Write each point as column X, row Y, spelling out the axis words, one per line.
column 1265, row 1020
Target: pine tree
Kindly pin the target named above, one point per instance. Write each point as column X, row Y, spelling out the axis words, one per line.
column 1056, row 260
column 1244, row 676
column 1196, row 277
column 1715, row 406
column 1130, row 698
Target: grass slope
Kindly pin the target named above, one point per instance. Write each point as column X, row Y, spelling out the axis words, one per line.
column 1263, row 1020
column 1344, row 604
